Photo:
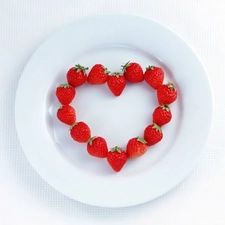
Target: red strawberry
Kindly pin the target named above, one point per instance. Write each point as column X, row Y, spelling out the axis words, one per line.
column 166, row 94
column 153, row 134
column 162, row 115
column 116, row 83
column 136, row 147
column 76, row 75
column 98, row 74
column 65, row 94
column 117, row 158
column 80, row 132
column 154, row 76
column 133, row 72
column 97, row 147
column 66, row 114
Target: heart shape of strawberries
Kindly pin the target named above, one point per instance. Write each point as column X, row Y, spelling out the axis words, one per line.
column 116, row 81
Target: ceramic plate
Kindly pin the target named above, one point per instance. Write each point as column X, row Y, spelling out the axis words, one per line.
column 112, row 40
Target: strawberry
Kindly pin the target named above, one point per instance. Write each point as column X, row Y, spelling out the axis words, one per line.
column 76, row 76
column 162, row 115
column 136, row 147
column 166, row 94
column 153, row 134
column 154, row 76
column 80, row 132
column 117, row 158
column 65, row 94
column 133, row 72
column 98, row 74
column 66, row 114
column 116, row 83
column 97, row 147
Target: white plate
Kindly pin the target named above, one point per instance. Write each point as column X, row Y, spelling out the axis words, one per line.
column 113, row 40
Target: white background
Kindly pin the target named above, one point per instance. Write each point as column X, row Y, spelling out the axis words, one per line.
column 26, row 199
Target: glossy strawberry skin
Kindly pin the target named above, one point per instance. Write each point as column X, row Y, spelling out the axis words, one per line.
column 98, row 74
column 80, row 132
column 76, row 76
column 117, row 159
column 116, row 83
column 97, row 147
column 66, row 114
column 162, row 115
column 65, row 94
column 136, row 148
column 133, row 72
column 166, row 94
column 154, row 76
column 153, row 134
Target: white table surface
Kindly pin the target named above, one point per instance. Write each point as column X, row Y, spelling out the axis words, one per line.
column 26, row 199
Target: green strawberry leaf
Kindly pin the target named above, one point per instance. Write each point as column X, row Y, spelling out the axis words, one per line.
column 80, row 68
column 116, row 74
column 158, row 128
column 106, row 71
column 124, row 67
column 150, row 68
column 165, row 107
column 142, row 140
column 91, row 140
column 73, row 125
column 116, row 149
column 171, row 86
column 65, row 85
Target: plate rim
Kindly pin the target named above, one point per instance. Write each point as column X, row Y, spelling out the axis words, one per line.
column 103, row 203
